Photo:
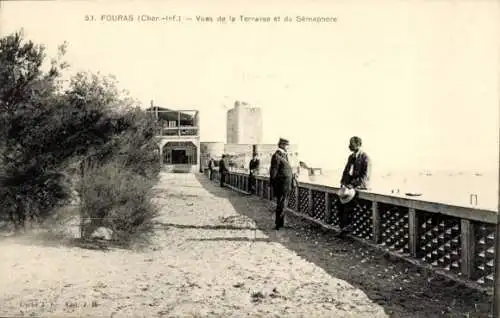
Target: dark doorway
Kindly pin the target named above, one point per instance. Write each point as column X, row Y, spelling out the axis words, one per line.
column 179, row 157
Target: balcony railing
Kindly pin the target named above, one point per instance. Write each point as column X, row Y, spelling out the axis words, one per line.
column 176, row 123
column 454, row 241
column 178, row 131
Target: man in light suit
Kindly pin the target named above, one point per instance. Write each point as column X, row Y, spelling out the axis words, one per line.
column 356, row 176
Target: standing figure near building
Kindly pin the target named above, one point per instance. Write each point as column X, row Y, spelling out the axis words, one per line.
column 254, row 170
column 356, row 176
column 222, row 170
column 282, row 180
column 211, row 166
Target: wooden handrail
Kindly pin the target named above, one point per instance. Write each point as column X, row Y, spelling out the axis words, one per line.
column 474, row 214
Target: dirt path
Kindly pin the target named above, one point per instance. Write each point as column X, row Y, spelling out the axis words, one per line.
column 207, row 261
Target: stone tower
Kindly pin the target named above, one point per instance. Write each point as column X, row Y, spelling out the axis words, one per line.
column 244, row 124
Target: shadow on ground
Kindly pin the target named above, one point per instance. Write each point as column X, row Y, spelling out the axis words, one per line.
column 57, row 237
column 401, row 288
column 44, row 237
column 232, row 239
column 202, row 227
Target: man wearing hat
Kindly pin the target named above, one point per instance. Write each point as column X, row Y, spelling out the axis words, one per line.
column 281, row 179
column 223, row 170
column 211, row 166
column 356, row 176
column 254, row 169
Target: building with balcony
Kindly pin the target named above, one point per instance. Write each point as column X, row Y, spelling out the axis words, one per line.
column 178, row 135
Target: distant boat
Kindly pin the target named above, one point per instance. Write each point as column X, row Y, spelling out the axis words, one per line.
column 413, row 194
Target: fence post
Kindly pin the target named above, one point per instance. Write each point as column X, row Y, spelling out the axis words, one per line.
column 376, row 222
column 297, row 200
column 310, row 202
column 467, row 241
column 412, row 232
column 328, row 210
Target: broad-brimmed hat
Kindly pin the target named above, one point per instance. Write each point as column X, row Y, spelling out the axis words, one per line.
column 283, row 141
column 346, row 195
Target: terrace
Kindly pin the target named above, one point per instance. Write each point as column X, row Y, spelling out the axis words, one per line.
column 175, row 123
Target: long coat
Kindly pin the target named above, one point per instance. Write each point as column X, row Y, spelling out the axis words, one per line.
column 281, row 173
column 361, row 170
column 222, row 166
column 254, row 165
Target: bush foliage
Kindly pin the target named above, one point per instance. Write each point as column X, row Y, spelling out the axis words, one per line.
column 47, row 123
column 117, row 198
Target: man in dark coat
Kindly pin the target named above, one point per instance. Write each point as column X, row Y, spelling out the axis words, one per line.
column 281, row 179
column 211, row 164
column 254, row 169
column 356, row 176
column 222, row 170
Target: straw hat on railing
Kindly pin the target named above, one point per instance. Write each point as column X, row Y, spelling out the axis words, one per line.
column 346, row 195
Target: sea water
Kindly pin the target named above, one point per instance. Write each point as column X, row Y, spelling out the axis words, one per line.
column 454, row 188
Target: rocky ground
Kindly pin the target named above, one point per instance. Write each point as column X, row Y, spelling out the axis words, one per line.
column 215, row 254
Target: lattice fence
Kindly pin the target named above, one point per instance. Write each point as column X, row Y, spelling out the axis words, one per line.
column 334, row 214
column 318, row 209
column 303, row 200
column 292, row 201
column 363, row 220
column 439, row 240
column 484, row 253
column 394, row 228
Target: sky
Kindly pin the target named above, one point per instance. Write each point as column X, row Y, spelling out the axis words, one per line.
column 418, row 81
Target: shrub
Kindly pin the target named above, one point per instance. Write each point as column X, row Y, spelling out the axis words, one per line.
column 116, row 197
column 43, row 128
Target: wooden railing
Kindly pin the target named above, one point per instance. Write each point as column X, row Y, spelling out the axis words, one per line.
column 458, row 242
column 177, row 131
